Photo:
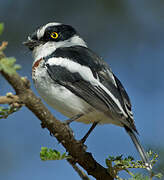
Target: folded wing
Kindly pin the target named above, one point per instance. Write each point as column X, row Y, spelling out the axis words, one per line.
column 85, row 74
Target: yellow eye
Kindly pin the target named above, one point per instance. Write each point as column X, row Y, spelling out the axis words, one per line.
column 54, row 35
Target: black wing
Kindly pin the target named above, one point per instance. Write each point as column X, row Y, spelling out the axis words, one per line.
column 95, row 95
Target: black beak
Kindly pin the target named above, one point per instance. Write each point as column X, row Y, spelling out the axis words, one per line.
column 32, row 41
column 31, row 44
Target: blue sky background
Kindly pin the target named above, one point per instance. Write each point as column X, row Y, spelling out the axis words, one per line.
column 129, row 36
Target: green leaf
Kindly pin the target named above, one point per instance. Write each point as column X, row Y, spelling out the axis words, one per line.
column 1, row 28
column 159, row 175
column 63, row 156
column 108, row 163
column 5, row 112
column 8, row 65
column 138, row 176
column 50, row 154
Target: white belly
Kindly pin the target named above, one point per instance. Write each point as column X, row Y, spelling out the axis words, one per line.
column 65, row 101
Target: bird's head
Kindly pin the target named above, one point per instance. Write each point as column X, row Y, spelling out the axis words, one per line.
column 51, row 36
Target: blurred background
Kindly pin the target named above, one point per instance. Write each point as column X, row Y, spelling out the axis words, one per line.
column 129, row 36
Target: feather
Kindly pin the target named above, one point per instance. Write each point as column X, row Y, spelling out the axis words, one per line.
column 139, row 148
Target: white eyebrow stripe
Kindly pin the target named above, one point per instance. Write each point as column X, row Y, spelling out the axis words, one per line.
column 41, row 31
column 86, row 73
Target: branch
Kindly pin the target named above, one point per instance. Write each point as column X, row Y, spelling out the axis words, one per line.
column 60, row 130
column 9, row 99
column 3, row 45
column 78, row 170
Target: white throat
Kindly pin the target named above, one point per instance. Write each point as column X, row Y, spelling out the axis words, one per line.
column 49, row 47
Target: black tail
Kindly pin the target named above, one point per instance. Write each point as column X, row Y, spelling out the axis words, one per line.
column 139, row 148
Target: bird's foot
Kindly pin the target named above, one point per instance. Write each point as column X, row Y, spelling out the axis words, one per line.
column 88, row 133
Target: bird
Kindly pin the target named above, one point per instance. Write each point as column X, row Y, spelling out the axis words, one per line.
column 78, row 83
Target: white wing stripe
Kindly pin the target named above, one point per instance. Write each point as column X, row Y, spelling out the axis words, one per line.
column 85, row 73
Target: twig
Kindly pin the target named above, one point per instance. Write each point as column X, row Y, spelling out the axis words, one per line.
column 9, row 100
column 78, row 170
column 3, row 45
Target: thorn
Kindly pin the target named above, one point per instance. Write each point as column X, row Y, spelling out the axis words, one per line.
column 56, row 134
column 51, row 134
column 63, row 142
column 43, row 125
column 26, row 82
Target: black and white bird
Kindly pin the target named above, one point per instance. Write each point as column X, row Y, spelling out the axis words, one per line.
column 77, row 82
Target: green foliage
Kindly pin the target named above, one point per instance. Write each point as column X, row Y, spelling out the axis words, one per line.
column 160, row 165
column 8, row 65
column 5, row 112
column 50, row 154
column 114, row 164
column 1, row 28
column 138, row 176
column 117, row 164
